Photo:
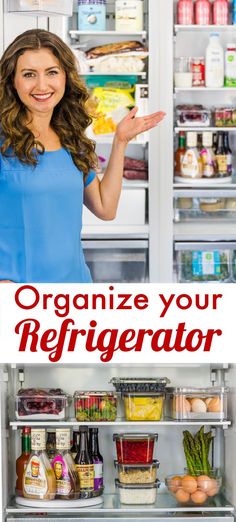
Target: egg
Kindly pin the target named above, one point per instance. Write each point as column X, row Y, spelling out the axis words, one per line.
column 214, row 488
column 198, row 406
column 174, row 483
column 199, row 497
column 182, row 496
column 208, row 400
column 182, row 405
column 189, row 484
column 205, row 483
column 215, row 405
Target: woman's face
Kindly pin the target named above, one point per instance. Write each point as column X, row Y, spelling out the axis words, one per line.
column 39, row 80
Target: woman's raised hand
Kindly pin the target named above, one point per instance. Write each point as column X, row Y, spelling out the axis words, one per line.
column 131, row 125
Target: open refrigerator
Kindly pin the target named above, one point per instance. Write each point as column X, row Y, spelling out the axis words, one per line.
column 168, row 448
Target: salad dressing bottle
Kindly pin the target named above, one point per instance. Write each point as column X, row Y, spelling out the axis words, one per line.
column 39, row 480
column 191, row 165
column 67, row 480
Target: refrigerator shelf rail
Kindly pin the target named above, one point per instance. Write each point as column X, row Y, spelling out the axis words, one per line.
column 76, row 34
column 19, row 424
column 207, row 517
column 197, row 28
column 164, row 504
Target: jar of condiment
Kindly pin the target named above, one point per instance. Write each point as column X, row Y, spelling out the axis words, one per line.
column 129, row 15
column 92, row 15
column 185, row 12
column 198, row 70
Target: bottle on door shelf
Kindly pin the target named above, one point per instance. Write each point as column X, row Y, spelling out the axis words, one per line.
column 207, row 155
column 51, row 444
column 214, row 64
column 191, row 166
column 220, row 12
column 67, row 480
column 180, row 152
column 84, row 465
column 230, row 65
column 221, row 157
column 23, row 459
column 75, row 446
column 198, row 70
column 39, row 480
column 185, row 15
column 202, row 12
column 97, row 461
column 228, row 153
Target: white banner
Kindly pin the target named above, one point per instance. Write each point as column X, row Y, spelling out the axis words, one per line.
column 111, row 323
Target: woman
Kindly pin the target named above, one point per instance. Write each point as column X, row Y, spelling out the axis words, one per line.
column 47, row 162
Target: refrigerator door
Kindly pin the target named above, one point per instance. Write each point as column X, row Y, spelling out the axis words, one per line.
column 4, row 443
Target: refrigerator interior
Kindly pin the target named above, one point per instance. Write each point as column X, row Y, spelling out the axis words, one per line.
column 168, row 450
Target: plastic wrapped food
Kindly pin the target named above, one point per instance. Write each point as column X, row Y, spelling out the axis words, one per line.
column 40, row 403
column 202, row 266
column 95, row 406
column 192, row 115
column 142, row 407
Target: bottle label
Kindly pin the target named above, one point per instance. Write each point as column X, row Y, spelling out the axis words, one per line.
column 229, row 164
column 230, row 69
column 221, row 163
column 206, row 263
column 38, row 441
column 86, row 476
column 98, row 475
column 208, row 163
column 190, row 166
column 63, row 439
column 35, row 480
column 63, row 482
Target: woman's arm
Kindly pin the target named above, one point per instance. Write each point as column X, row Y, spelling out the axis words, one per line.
column 102, row 197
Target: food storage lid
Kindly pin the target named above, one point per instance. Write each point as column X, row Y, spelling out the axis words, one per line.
column 213, row 390
column 144, row 485
column 153, row 464
column 98, row 394
column 139, row 384
column 143, row 394
column 135, row 436
column 41, row 393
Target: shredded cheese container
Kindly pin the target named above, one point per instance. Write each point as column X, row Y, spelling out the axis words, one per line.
column 137, row 473
column 143, row 406
column 198, row 403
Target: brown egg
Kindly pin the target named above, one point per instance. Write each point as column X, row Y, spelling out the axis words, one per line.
column 215, row 405
column 182, row 405
column 174, row 483
column 199, row 497
column 214, row 489
column 182, row 496
column 209, row 399
column 204, row 483
column 189, row 484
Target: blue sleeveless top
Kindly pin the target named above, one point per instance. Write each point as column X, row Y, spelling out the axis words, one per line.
column 41, row 220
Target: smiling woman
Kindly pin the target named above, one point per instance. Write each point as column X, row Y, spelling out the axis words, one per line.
column 47, row 162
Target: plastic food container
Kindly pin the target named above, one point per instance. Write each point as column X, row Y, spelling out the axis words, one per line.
column 139, row 384
column 192, row 115
column 194, row 490
column 143, row 406
column 41, row 403
column 198, row 403
column 225, row 117
column 203, row 265
column 133, row 448
column 95, row 406
column 137, row 473
column 137, row 493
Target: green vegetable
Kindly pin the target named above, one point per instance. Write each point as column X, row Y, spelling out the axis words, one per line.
column 196, row 449
column 187, row 272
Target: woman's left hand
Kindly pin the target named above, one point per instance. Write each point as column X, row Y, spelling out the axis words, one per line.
column 130, row 126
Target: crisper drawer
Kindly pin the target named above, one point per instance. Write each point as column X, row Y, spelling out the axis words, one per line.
column 203, row 262
column 131, row 210
column 120, row 261
column 204, row 205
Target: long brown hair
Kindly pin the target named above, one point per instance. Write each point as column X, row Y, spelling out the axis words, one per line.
column 70, row 117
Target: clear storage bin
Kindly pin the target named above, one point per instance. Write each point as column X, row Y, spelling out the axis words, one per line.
column 203, row 264
column 137, row 493
column 195, row 490
column 197, row 403
column 143, row 406
column 222, row 207
column 192, row 116
column 133, row 448
column 41, row 7
column 225, row 117
column 41, row 404
column 137, row 473
column 95, row 406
